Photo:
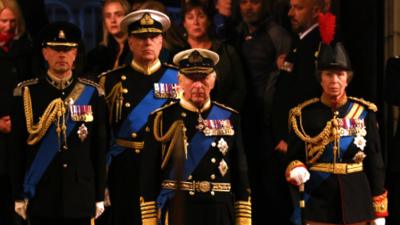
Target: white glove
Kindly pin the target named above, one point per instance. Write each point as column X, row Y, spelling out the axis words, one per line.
column 20, row 208
column 299, row 175
column 379, row 221
column 99, row 209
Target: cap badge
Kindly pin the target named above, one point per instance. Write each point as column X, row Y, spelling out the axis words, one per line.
column 146, row 20
column 61, row 34
column 195, row 57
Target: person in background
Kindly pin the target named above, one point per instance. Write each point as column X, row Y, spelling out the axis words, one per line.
column 334, row 148
column 230, row 86
column 59, row 138
column 15, row 66
column 113, row 50
column 262, row 44
column 193, row 168
column 132, row 92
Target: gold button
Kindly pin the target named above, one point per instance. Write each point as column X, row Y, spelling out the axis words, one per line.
column 183, row 114
column 127, row 105
column 147, row 129
column 190, row 177
column 123, row 77
column 125, row 90
column 213, row 160
column 213, row 144
column 134, row 135
column 212, row 176
column 212, row 193
column 137, row 151
column 191, row 192
column 65, row 165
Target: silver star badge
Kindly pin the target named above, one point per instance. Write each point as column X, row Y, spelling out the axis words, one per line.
column 82, row 132
column 223, row 146
column 360, row 142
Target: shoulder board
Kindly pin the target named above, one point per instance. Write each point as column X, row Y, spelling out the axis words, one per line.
column 297, row 109
column 371, row 106
column 92, row 83
column 112, row 70
column 171, row 103
column 225, row 107
column 21, row 85
column 170, row 66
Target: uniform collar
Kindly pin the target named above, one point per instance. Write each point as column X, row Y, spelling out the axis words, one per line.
column 302, row 35
column 146, row 71
column 341, row 102
column 189, row 106
column 58, row 83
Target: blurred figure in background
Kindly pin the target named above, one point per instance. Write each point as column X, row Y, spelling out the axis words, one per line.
column 15, row 66
column 230, row 86
column 113, row 51
column 262, row 45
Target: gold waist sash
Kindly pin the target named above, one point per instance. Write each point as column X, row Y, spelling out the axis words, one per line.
column 337, row 168
column 198, row 186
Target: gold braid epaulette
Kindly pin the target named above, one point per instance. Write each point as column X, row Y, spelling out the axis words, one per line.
column 56, row 109
column 226, row 107
column 174, row 133
column 21, row 85
column 370, row 105
column 100, row 90
column 315, row 146
column 102, row 76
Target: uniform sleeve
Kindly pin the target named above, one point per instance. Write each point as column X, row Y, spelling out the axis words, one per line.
column 374, row 166
column 18, row 148
column 150, row 173
column 295, row 156
column 99, row 146
column 240, row 180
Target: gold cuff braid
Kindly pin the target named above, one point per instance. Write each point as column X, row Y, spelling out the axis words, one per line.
column 243, row 212
column 149, row 212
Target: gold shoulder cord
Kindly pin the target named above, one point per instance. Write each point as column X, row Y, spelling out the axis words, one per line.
column 115, row 100
column 56, row 108
column 174, row 134
column 315, row 146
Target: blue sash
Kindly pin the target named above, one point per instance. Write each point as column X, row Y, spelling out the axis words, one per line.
column 138, row 116
column 49, row 148
column 316, row 177
column 197, row 149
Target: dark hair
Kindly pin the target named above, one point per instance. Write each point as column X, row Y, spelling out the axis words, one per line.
column 206, row 8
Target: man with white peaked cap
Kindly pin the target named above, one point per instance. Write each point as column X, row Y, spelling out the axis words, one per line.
column 132, row 92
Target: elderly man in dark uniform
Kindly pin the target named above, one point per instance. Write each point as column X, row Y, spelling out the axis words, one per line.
column 335, row 144
column 194, row 170
column 59, row 138
column 132, row 93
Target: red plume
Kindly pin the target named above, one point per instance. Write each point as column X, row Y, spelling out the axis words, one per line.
column 327, row 23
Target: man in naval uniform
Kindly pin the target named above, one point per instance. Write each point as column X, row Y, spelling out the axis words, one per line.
column 335, row 144
column 59, row 138
column 194, row 170
column 132, row 93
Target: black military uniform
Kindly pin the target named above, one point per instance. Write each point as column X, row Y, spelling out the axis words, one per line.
column 60, row 160
column 132, row 93
column 200, row 152
column 296, row 83
column 339, row 144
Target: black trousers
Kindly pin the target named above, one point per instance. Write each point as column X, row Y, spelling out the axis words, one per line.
column 59, row 221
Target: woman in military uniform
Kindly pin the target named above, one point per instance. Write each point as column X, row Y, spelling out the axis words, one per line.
column 335, row 144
